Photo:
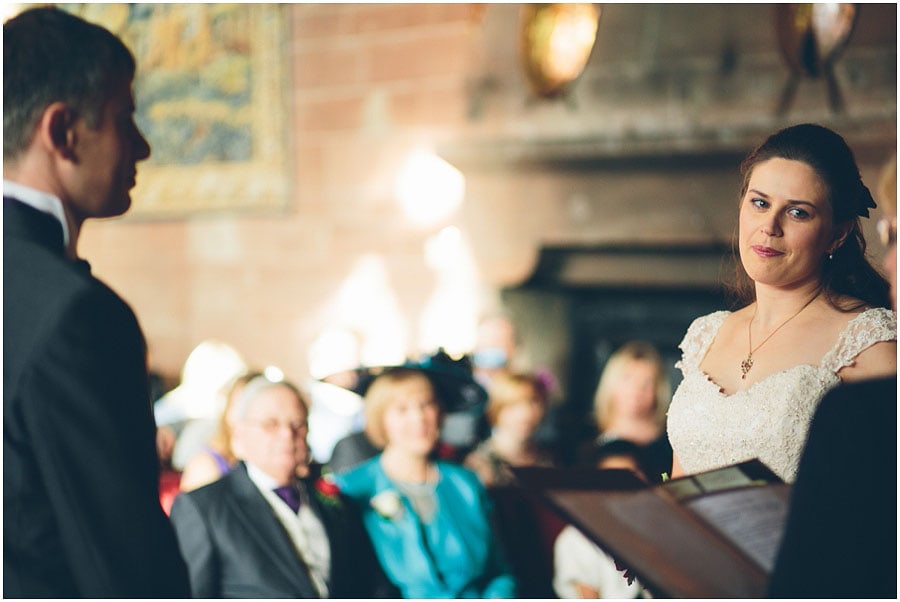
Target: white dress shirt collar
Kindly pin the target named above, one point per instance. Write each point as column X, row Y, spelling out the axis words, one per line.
column 262, row 480
column 40, row 200
column 305, row 529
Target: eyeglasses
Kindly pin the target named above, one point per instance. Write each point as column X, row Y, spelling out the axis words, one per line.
column 887, row 231
column 271, row 425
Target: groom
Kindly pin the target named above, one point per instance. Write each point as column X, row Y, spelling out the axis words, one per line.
column 81, row 512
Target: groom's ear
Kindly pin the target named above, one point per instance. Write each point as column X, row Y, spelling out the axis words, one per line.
column 56, row 130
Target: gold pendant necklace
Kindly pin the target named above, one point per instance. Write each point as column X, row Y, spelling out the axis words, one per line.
column 748, row 362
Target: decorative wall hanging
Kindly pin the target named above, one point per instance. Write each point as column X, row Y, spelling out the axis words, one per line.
column 212, row 101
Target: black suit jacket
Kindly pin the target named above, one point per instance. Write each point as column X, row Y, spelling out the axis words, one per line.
column 236, row 547
column 81, row 512
column 840, row 540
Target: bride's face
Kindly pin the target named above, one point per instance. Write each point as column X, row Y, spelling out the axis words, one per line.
column 786, row 229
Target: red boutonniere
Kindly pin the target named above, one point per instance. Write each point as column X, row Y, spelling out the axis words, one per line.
column 328, row 491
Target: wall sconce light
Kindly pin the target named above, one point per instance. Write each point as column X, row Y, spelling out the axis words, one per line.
column 811, row 37
column 555, row 43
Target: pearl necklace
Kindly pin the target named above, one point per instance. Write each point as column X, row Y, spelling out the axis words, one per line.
column 748, row 363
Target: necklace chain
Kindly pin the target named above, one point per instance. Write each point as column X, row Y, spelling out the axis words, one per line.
column 748, row 362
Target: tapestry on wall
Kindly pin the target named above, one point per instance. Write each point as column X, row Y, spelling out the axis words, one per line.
column 211, row 100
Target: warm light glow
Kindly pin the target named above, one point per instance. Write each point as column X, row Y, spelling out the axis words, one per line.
column 366, row 303
column 208, row 369
column 8, row 11
column 334, row 350
column 571, row 42
column 556, row 43
column 428, row 188
column 450, row 315
column 273, row 374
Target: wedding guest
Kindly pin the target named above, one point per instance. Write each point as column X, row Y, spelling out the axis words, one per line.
column 840, row 540
column 429, row 520
column 516, row 404
column 815, row 313
column 355, row 448
column 81, row 509
column 581, row 568
column 217, row 458
column 192, row 409
column 630, row 404
column 498, row 350
column 262, row 532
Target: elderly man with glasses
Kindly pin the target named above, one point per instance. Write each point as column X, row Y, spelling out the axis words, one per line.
column 268, row 529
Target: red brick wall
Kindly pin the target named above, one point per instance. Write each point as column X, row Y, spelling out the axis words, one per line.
column 371, row 82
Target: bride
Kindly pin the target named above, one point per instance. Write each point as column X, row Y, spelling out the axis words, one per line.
column 815, row 312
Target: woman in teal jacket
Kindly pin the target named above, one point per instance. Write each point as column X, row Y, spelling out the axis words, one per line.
column 429, row 521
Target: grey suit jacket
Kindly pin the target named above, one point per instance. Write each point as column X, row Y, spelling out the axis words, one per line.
column 235, row 546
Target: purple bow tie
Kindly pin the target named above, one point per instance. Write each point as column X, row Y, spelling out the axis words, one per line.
column 291, row 496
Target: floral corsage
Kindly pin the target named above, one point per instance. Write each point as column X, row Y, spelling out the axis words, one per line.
column 328, row 492
column 387, row 504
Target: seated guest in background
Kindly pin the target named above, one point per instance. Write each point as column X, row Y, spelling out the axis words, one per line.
column 81, row 512
column 218, row 457
column 259, row 531
column 630, row 404
column 840, row 540
column 353, row 449
column 815, row 312
column 516, row 405
column 581, row 568
column 429, row 520
column 191, row 410
column 515, row 408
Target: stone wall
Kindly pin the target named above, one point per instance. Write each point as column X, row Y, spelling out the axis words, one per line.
column 643, row 151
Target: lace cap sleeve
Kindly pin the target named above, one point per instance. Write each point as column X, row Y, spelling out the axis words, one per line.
column 699, row 337
column 870, row 327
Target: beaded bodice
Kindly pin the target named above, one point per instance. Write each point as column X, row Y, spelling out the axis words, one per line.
column 769, row 420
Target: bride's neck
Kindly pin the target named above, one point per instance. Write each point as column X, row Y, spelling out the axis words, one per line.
column 775, row 305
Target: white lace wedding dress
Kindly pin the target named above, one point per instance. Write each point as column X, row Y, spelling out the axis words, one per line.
column 709, row 429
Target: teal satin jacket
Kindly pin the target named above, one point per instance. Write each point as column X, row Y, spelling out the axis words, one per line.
column 457, row 555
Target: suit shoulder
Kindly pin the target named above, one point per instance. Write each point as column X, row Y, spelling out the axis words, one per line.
column 860, row 397
column 34, row 276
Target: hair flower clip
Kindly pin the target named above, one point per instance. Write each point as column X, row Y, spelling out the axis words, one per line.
column 387, row 504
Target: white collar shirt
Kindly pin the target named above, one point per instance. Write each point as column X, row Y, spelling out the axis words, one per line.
column 304, row 528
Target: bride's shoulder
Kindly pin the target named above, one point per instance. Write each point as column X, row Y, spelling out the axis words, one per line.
column 711, row 321
column 701, row 333
column 872, row 320
column 866, row 345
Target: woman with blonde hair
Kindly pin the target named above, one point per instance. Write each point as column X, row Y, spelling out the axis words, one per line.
column 630, row 404
column 516, row 405
column 429, row 520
